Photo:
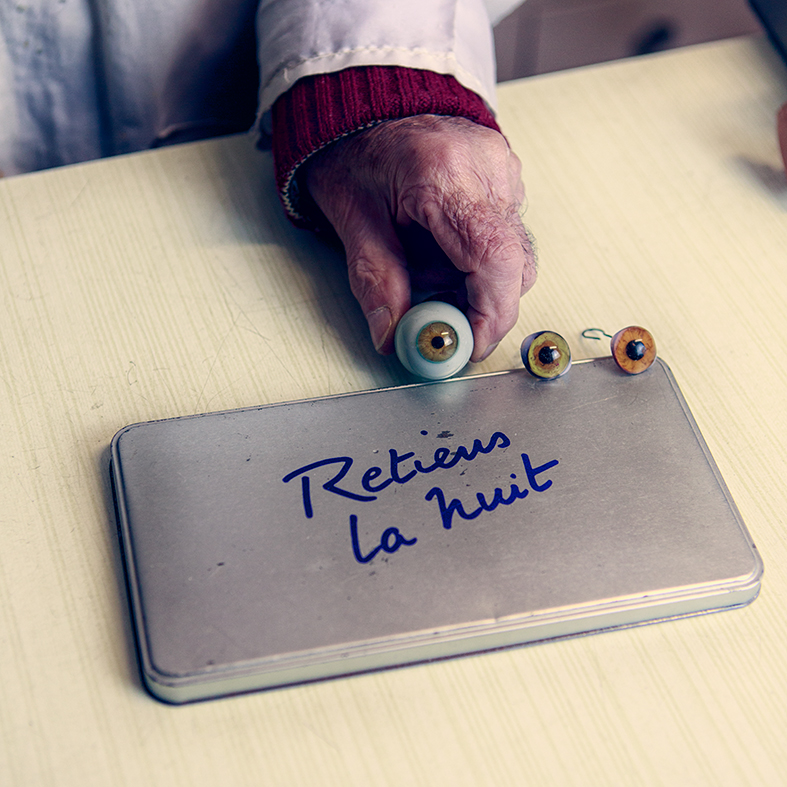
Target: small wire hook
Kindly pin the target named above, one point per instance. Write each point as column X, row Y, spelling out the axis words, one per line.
column 586, row 334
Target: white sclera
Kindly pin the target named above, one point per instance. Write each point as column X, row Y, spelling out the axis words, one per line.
column 411, row 325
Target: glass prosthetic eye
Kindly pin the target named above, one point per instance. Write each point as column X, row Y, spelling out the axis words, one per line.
column 434, row 340
column 546, row 355
column 633, row 349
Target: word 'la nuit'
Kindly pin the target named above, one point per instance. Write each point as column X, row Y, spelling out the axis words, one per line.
column 392, row 538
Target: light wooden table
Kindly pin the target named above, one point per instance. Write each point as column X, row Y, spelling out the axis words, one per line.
column 168, row 283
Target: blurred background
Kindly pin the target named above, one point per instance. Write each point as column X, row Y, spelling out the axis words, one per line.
column 551, row 35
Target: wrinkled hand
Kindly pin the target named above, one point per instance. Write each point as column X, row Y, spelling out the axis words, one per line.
column 428, row 203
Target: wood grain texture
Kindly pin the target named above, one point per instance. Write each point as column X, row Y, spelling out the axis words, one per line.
column 168, row 283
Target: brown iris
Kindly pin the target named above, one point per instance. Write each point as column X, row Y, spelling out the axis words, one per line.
column 437, row 342
column 633, row 349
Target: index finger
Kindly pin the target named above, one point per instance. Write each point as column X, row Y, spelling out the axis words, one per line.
column 494, row 250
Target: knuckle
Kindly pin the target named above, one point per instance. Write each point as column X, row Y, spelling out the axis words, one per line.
column 365, row 277
column 497, row 235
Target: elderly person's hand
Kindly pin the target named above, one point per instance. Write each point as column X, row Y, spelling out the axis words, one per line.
column 428, row 203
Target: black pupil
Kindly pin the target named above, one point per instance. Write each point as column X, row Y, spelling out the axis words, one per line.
column 635, row 349
column 438, row 342
column 548, row 355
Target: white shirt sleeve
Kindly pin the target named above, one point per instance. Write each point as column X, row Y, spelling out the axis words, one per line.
column 97, row 77
column 298, row 38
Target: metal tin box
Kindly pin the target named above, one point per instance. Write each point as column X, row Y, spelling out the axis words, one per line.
column 298, row 541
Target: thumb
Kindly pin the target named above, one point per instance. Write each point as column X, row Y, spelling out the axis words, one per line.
column 377, row 270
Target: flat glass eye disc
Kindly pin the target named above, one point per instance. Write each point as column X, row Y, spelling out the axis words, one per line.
column 437, row 341
column 434, row 340
column 633, row 349
column 546, row 355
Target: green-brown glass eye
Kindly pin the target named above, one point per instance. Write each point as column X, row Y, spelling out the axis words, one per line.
column 434, row 340
column 437, row 341
column 633, row 349
column 546, row 355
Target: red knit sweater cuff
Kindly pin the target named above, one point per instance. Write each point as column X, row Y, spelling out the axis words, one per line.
column 320, row 109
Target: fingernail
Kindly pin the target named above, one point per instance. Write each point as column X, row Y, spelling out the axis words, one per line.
column 489, row 350
column 379, row 324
